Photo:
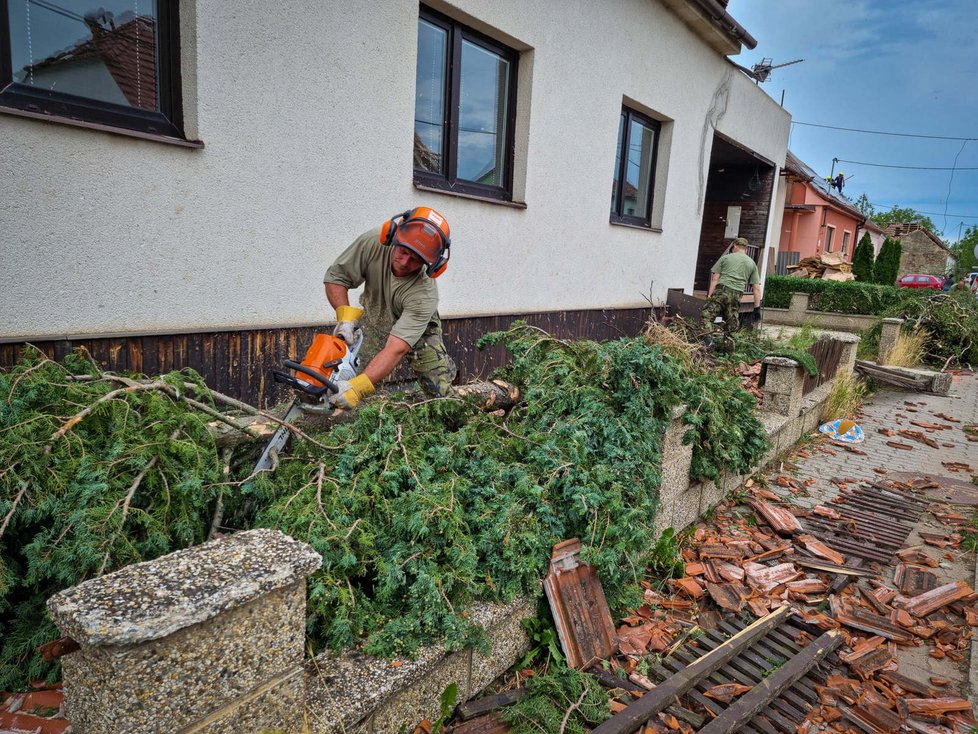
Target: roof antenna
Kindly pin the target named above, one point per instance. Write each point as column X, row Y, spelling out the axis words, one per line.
column 762, row 72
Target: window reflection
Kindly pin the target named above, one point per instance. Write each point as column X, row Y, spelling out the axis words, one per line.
column 429, row 101
column 638, row 174
column 105, row 52
column 631, row 190
column 483, row 100
column 614, row 183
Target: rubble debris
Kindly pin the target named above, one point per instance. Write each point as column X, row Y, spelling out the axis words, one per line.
column 824, row 266
column 572, row 587
column 779, row 518
column 930, row 601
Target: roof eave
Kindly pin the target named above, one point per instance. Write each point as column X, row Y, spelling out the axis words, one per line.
column 711, row 22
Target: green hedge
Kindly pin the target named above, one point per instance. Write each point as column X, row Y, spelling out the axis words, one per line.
column 827, row 295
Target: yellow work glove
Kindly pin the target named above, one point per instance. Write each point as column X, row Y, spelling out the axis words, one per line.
column 346, row 321
column 351, row 392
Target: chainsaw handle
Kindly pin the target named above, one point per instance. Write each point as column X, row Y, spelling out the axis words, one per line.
column 291, row 380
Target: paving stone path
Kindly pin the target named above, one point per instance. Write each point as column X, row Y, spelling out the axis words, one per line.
column 895, row 410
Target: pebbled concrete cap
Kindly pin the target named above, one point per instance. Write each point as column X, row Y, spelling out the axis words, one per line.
column 150, row 600
column 780, row 361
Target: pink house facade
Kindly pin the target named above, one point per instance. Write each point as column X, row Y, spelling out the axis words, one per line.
column 817, row 219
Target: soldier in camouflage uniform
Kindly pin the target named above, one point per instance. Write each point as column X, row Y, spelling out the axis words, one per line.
column 729, row 278
column 433, row 366
column 397, row 264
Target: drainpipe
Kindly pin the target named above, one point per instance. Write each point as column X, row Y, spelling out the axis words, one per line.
column 855, row 244
column 719, row 14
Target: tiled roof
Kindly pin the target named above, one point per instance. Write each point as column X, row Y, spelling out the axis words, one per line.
column 128, row 52
column 899, row 230
column 794, row 165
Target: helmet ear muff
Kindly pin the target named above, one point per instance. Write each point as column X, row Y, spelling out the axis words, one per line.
column 389, row 228
column 439, row 267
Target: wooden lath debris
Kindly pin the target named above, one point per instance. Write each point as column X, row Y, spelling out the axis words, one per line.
column 834, row 553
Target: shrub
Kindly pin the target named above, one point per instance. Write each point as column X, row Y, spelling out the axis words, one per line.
column 863, row 260
column 848, row 393
column 887, row 265
column 417, row 509
column 828, row 295
column 951, row 322
column 910, row 348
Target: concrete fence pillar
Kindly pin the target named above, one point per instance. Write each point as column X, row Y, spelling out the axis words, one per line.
column 783, row 386
column 847, row 359
column 798, row 307
column 888, row 338
column 679, row 502
column 208, row 639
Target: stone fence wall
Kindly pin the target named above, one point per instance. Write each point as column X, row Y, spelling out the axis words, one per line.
column 798, row 314
column 211, row 639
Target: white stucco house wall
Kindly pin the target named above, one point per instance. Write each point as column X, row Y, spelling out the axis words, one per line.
column 306, row 114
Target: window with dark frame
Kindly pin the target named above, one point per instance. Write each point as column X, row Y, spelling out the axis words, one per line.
column 829, row 233
column 632, row 188
column 106, row 62
column 464, row 110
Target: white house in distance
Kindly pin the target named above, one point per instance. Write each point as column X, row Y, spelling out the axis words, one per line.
column 175, row 178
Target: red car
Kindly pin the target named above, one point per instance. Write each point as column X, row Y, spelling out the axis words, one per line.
column 919, row 280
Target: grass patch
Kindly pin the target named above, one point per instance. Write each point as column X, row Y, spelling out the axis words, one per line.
column 847, row 395
column 803, row 339
column 910, row 348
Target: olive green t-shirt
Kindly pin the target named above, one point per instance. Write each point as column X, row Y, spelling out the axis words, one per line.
column 412, row 302
column 736, row 270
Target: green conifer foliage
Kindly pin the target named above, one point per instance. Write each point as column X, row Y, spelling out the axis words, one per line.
column 888, row 263
column 863, row 260
column 417, row 509
column 563, row 700
column 130, row 481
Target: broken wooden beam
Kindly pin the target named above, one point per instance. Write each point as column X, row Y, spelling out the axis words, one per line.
column 656, row 700
column 482, row 706
column 761, row 695
column 893, row 376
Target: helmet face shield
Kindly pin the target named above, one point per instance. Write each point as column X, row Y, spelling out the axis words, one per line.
column 424, row 232
column 422, row 239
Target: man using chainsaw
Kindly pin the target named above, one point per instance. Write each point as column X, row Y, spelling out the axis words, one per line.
column 398, row 264
column 729, row 277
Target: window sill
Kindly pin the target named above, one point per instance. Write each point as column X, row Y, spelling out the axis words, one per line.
column 475, row 197
column 102, row 128
column 635, row 226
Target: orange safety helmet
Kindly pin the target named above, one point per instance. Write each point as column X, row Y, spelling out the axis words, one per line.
column 424, row 232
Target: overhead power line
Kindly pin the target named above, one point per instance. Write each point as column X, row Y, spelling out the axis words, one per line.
column 939, row 214
column 909, row 168
column 880, row 132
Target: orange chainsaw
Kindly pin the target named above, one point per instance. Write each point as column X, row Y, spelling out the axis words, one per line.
column 329, row 360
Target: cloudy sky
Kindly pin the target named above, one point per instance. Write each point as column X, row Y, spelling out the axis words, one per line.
column 903, row 66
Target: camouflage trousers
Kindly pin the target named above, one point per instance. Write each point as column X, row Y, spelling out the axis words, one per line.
column 432, row 365
column 725, row 303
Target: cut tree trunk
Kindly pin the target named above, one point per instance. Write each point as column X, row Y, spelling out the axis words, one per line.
column 494, row 395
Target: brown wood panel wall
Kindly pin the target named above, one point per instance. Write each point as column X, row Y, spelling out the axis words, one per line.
column 239, row 363
column 729, row 189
